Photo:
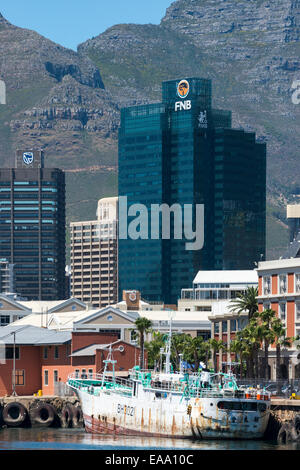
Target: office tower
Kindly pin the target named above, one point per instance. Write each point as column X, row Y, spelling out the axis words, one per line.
column 293, row 218
column 32, row 226
column 182, row 151
column 94, row 256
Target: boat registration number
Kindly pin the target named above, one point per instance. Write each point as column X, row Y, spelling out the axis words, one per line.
column 127, row 410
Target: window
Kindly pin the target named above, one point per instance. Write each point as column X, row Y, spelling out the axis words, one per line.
column 233, row 325
column 90, row 373
column 133, row 336
column 297, row 283
column 55, row 376
column 4, row 320
column 267, row 285
column 83, row 374
column 242, row 323
column 45, row 352
column 77, row 373
column 217, row 327
column 282, row 283
column 224, row 326
column 20, row 377
column 298, row 311
column 9, row 352
column 282, row 311
column 45, row 377
column 56, row 352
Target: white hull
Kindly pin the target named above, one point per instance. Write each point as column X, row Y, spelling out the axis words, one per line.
column 172, row 416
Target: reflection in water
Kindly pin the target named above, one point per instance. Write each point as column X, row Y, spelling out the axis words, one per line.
column 72, row 439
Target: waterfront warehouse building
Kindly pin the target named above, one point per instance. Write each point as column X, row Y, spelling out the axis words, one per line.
column 182, row 151
column 94, row 256
column 32, row 226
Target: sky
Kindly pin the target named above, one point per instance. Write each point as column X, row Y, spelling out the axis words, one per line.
column 70, row 22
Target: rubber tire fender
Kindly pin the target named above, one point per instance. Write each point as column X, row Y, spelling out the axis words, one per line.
column 9, row 419
column 43, row 414
column 77, row 419
column 297, row 424
column 66, row 416
column 287, row 433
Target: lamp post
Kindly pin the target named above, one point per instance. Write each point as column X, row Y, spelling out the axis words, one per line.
column 14, row 394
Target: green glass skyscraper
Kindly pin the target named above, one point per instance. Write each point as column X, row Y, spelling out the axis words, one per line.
column 182, row 151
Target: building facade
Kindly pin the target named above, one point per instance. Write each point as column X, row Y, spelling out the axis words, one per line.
column 32, row 227
column 7, row 277
column 45, row 358
column 94, row 256
column 279, row 289
column 182, row 151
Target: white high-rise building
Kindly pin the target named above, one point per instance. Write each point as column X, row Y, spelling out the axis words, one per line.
column 94, row 256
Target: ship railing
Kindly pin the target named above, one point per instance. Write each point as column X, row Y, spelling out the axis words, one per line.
column 96, row 379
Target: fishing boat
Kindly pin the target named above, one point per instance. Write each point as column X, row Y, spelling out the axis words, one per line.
column 198, row 405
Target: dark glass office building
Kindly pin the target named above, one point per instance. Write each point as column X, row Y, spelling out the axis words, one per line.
column 182, row 151
column 32, row 226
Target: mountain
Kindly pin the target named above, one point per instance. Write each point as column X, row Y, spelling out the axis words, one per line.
column 68, row 102
column 56, row 100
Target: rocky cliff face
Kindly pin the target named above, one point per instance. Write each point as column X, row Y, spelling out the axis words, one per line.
column 56, row 100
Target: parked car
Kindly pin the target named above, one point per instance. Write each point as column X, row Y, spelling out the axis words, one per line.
column 272, row 388
column 287, row 390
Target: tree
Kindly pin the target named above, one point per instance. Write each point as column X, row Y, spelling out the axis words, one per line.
column 153, row 348
column 265, row 319
column 216, row 345
column 280, row 341
column 250, row 344
column 246, row 302
column 143, row 325
column 196, row 350
column 237, row 347
column 180, row 344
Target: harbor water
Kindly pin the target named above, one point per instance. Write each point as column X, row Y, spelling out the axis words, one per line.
column 78, row 439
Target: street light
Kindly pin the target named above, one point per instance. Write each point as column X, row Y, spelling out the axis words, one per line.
column 14, row 393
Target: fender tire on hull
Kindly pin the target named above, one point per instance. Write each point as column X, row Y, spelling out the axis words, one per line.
column 77, row 419
column 287, row 433
column 14, row 414
column 297, row 424
column 43, row 414
column 66, row 416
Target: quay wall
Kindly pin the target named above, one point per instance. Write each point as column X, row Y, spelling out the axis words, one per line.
column 54, row 411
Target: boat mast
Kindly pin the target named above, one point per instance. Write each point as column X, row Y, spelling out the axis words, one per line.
column 107, row 361
column 168, row 350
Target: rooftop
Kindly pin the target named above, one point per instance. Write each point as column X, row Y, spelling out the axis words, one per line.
column 32, row 335
column 227, row 277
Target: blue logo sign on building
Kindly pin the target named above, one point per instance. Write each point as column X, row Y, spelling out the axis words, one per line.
column 28, row 158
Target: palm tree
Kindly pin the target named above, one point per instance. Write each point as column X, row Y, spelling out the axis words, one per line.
column 181, row 344
column 196, row 351
column 237, row 347
column 280, row 341
column 143, row 325
column 153, row 348
column 250, row 343
column 265, row 319
column 246, row 302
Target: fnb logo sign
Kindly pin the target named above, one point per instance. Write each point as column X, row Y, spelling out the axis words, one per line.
column 183, row 105
column 183, row 89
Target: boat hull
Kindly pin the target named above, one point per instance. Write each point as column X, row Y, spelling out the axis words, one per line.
column 196, row 418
